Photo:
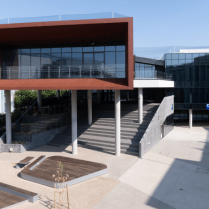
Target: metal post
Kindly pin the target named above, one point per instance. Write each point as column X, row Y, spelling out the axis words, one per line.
column 140, row 105
column 38, row 72
column 48, row 72
column 8, row 117
column 74, row 121
column 59, row 72
column 89, row 107
column 9, row 73
column 117, row 122
column 29, row 72
column 80, row 71
column 190, row 118
column 101, row 72
column 19, row 72
column 90, row 71
column 69, row 72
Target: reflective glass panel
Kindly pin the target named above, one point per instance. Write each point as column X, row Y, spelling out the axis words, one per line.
column 66, row 49
column 77, row 59
column 56, row 58
column 99, row 48
column 195, row 56
column 181, row 62
column 45, row 50
column 88, row 49
column 66, row 59
column 202, row 56
column 120, row 60
column 35, row 51
column 189, row 61
column 76, row 49
column 109, row 48
column 167, row 56
column 55, row 50
column 35, row 60
column 175, row 62
column 188, row 56
column 167, row 62
column 25, row 51
column 175, row 56
column 110, row 59
column 120, row 74
column 120, row 48
column 182, row 56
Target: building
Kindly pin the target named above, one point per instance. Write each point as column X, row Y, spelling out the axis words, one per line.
column 190, row 71
column 83, row 53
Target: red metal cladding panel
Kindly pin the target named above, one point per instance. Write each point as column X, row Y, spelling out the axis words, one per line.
column 71, row 84
column 76, row 31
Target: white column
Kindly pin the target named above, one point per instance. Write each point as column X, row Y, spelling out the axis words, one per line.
column 58, row 94
column 74, row 121
column 98, row 96
column 8, row 117
column 89, row 107
column 39, row 100
column 140, row 105
column 190, row 118
column 117, row 122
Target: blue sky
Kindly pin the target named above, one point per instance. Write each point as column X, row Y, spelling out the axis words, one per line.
column 156, row 22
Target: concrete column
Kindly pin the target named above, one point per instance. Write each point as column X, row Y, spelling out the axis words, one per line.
column 140, row 104
column 58, row 94
column 117, row 122
column 190, row 118
column 8, row 117
column 89, row 107
column 98, row 96
column 39, row 100
column 74, row 121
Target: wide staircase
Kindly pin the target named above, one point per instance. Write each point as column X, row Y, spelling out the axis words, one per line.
column 101, row 134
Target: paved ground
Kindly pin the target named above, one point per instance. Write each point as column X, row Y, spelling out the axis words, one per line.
column 174, row 174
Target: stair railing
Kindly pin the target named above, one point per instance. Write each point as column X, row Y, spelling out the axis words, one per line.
column 3, row 137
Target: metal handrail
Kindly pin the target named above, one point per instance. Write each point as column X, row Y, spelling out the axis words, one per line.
column 20, row 117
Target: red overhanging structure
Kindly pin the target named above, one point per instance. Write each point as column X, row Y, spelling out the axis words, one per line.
column 73, row 31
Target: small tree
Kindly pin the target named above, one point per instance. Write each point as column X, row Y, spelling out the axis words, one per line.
column 61, row 190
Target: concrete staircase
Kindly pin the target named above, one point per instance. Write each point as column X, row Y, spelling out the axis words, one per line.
column 101, row 134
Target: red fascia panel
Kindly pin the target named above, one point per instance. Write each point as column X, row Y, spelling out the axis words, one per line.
column 63, row 84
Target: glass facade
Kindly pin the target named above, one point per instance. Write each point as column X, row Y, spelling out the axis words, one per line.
column 104, row 61
column 145, row 71
column 190, row 72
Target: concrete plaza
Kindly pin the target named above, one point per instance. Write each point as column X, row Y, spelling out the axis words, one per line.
column 174, row 174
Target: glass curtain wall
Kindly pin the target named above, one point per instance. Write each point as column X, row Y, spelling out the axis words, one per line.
column 64, row 62
column 190, row 72
column 144, row 71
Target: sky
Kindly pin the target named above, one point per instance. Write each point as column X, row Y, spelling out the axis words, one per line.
column 157, row 23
